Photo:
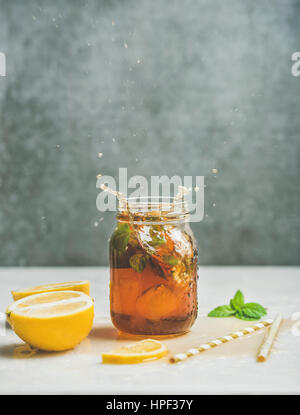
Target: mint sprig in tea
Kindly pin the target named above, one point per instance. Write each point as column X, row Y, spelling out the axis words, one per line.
column 153, row 262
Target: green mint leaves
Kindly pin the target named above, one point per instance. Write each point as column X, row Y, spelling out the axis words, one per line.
column 239, row 309
column 131, row 252
column 157, row 239
column 120, row 237
column 222, row 311
column 138, row 262
column 253, row 311
column 170, row 260
column 237, row 301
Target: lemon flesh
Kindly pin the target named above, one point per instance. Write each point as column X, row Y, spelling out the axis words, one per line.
column 83, row 286
column 52, row 321
column 136, row 353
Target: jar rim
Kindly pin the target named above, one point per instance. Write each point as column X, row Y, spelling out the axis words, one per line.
column 148, row 208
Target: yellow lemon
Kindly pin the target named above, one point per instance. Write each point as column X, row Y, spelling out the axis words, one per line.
column 83, row 286
column 52, row 321
column 136, row 353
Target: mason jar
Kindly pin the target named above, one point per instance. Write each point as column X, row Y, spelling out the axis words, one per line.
column 153, row 268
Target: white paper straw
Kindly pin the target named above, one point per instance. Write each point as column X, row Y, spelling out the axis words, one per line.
column 220, row 340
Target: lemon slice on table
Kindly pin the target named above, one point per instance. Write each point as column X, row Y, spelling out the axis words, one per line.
column 83, row 286
column 136, row 353
column 52, row 321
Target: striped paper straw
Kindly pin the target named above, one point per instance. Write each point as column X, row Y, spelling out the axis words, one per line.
column 220, row 340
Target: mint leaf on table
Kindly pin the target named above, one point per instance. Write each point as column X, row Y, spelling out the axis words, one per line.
column 237, row 301
column 253, row 310
column 120, row 237
column 239, row 309
column 222, row 311
column 138, row 262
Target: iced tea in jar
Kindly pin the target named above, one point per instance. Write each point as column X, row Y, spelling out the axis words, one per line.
column 153, row 268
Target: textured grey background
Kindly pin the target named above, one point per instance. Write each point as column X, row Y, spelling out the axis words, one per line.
column 200, row 85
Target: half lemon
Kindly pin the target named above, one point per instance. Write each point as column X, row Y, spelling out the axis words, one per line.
column 83, row 286
column 52, row 321
column 148, row 349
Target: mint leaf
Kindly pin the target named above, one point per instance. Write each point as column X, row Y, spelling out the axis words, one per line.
column 222, row 311
column 170, row 260
column 237, row 301
column 253, row 310
column 120, row 237
column 237, row 307
column 157, row 239
column 138, row 262
column 233, row 306
column 132, row 241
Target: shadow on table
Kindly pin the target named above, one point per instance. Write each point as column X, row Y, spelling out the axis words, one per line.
column 24, row 351
column 104, row 333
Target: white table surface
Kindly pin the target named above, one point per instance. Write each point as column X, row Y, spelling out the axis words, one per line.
column 81, row 370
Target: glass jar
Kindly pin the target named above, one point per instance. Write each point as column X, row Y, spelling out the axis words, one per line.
column 153, row 268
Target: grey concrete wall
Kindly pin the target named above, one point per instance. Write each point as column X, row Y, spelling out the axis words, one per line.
column 200, row 85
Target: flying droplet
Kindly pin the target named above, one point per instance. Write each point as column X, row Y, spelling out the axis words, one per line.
column 214, row 205
column 99, row 155
column 215, row 171
column 103, row 187
column 96, row 224
column 138, row 61
column 99, row 176
column 125, row 45
column 196, row 188
column 113, row 140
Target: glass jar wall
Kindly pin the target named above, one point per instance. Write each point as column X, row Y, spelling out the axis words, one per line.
column 153, row 269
